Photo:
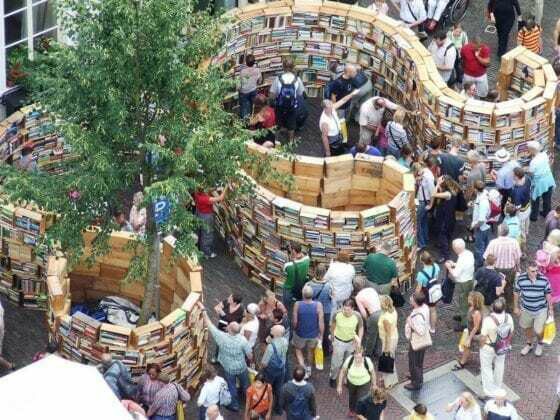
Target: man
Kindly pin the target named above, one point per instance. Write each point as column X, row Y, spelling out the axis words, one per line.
column 296, row 271
column 435, row 10
column 417, row 325
column 309, row 326
column 340, row 276
column 346, row 326
column 371, row 116
column 204, row 204
column 476, row 58
column 164, row 406
column 412, row 13
column 117, row 376
column 298, row 397
column 476, row 173
column 362, row 82
column 479, row 225
column 500, row 408
column 489, row 281
column 381, row 270
column 462, row 273
column 533, row 305
column 342, row 87
column 425, row 188
column 444, row 54
column 504, row 176
column 491, row 363
column 233, row 350
column 274, row 363
column 521, row 199
column 507, row 252
column 449, row 163
column 369, row 306
column 213, row 413
column 552, row 221
column 284, row 90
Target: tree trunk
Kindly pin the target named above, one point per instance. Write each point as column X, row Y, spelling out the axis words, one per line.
column 151, row 303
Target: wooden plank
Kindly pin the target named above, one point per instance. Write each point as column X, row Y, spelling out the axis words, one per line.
column 307, row 198
column 309, row 166
column 337, row 199
column 195, row 278
column 109, row 271
column 337, row 184
column 339, row 166
column 367, row 183
column 307, row 184
column 363, row 197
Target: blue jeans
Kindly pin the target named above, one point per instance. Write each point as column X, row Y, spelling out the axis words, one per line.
column 202, row 412
column 276, row 380
column 422, row 225
column 481, row 239
column 393, row 151
column 156, row 417
column 246, row 103
column 232, row 386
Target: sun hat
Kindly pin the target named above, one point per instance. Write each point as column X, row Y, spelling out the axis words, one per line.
column 502, row 155
column 535, row 145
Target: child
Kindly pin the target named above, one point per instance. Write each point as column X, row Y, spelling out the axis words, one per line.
column 457, row 36
column 530, row 36
column 512, row 222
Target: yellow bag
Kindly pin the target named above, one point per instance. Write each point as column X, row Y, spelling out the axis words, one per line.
column 549, row 331
column 319, row 356
column 180, row 410
column 252, row 374
column 463, row 340
column 343, row 130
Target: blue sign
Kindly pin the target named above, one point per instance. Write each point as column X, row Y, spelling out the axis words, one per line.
column 162, row 210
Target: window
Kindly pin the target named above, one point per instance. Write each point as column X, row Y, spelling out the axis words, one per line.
column 11, row 5
column 15, row 28
column 44, row 17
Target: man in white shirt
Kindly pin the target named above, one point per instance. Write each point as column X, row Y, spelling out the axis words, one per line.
column 426, row 185
column 340, row 276
column 444, row 54
column 492, row 364
column 371, row 116
column 435, row 10
column 479, row 225
column 411, row 12
column 462, row 273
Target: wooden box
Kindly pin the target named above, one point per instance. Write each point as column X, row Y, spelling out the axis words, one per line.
column 367, row 183
column 339, row 166
column 309, row 166
column 306, row 184
column 304, row 197
column 337, row 184
column 337, row 199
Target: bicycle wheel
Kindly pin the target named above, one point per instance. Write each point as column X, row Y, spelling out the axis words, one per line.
column 458, row 10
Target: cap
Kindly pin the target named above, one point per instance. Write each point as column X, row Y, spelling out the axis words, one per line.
column 253, row 308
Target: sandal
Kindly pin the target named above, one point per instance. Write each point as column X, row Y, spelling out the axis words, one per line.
column 458, row 366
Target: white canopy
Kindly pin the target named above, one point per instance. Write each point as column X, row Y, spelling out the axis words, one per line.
column 57, row 389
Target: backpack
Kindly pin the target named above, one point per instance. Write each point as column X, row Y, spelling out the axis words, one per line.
column 275, row 364
column 457, row 73
column 224, row 396
column 299, row 407
column 504, row 336
column 366, row 362
column 433, row 287
column 286, row 100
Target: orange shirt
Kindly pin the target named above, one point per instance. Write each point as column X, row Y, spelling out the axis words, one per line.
column 530, row 39
column 254, row 395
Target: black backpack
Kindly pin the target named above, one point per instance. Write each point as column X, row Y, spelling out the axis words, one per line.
column 458, row 72
column 286, row 100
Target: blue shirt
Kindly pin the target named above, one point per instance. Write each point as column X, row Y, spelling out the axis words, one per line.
column 504, row 176
column 532, row 296
column 431, row 270
column 521, row 194
column 543, row 179
column 233, row 349
column 322, row 293
column 513, row 226
column 371, row 150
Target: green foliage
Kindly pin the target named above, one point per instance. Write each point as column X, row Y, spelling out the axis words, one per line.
column 137, row 71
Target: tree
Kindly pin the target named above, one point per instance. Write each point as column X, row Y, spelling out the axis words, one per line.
column 142, row 110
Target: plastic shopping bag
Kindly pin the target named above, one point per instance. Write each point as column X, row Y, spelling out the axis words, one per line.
column 343, row 130
column 549, row 331
column 319, row 356
column 463, row 339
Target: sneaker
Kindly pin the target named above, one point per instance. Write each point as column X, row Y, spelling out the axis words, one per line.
column 526, row 350
column 539, row 350
column 307, row 372
column 212, row 255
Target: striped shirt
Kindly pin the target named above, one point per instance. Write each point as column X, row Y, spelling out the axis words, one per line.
column 530, row 39
column 532, row 295
column 148, row 388
column 396, row 134
column 165, row 401
column 233, row 349
column 506, row 250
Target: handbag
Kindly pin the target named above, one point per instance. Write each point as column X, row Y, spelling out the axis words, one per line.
column 420, row 342
column 549, row 331
column 386, row 363
column 224, row 395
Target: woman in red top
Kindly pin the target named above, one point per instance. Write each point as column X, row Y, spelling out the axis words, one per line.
column 263, row 118
column 259, row 400
column 205, row 212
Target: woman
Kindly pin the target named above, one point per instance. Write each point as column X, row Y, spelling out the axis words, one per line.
column 149, row 384
column 372, row 407
column 474, row 322
column 447, row 191
column 458, row 36
column 465, row 408
column 359, row 375
column 543, row 180
column 322, row 292
column 503, row 13
column 268, row 304
column 259, row 400
column 249, row 77
column 429, row 271
column 263, row 118
column 330, row 126
column 137, row 215
column 229, row 310
column 420, row 412
column 407, row 157
column 389, row 336
column 250, row 324
column 210, row 391
column 548, row 260
column 396, row 134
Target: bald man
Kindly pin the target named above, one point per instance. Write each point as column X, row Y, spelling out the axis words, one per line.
column 274, row 362
column 343, row 86
column 213, row 413
column 462, row 273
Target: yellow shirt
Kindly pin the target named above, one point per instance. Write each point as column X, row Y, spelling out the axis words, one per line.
column 415, row 416
column 346, row 326
column 392, row 319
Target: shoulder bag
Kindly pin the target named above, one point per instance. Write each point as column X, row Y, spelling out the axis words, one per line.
column 420, row 342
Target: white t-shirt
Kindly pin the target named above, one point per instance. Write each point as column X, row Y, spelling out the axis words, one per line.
column 340, row 276
column 210, row 392
column 287, row 78
column 371, row 116
column 332, row 122
column 508, row 410
column 489, row 329
column 443, row 57
column 253, row 327
column 412, row 11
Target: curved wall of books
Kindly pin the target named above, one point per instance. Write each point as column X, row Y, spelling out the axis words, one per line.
column 316, row 33
column 334, row 204
column 177, row 342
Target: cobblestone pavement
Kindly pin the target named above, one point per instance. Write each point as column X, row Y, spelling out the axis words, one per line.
column 534, row 380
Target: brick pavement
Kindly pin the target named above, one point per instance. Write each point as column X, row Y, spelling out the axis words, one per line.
column 532, row 379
